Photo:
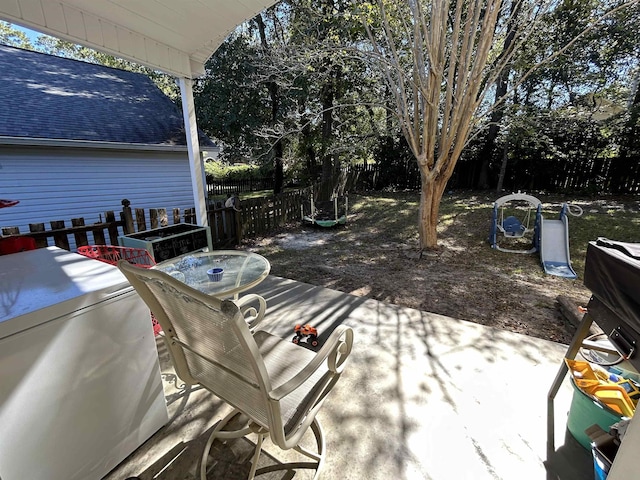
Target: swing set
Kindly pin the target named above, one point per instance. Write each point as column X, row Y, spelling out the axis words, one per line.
column 325, row 213
column 524, row 213
column 525, row 225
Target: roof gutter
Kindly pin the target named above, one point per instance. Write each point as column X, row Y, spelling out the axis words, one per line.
column 48, row 142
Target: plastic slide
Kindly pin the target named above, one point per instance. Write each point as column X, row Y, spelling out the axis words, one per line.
column 554, row 247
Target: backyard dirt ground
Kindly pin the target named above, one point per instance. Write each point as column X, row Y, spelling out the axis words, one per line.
column 376, row 255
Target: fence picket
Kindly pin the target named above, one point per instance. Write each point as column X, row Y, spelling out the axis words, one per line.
column 153, row 218
column 162, row 217
column 41, row 242
column 60, row 239
column 141, row 222
column 217, row 224
column 228, row 225
column 80, row 237
column 190, row 215
column 112, row 228
column 126, row 216
column 98, row 236
column 10, row 231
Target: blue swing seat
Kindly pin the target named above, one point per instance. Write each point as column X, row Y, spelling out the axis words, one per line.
column 513, row 227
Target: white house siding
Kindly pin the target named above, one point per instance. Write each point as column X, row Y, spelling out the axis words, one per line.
column 62, row 183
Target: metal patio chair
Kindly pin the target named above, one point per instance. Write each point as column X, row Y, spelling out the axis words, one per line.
column 277, row 386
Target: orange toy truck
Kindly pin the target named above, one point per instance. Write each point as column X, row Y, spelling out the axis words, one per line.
column 308, row 331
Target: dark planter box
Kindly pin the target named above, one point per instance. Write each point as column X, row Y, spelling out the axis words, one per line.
column 169, row 242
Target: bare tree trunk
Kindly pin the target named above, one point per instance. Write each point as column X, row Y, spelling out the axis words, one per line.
column 306, row 146
column 486, row 153
column 622, row 167
column 497, row 115
column 329, row 165
column 447, row 47
column 278, row 168
column 274, row 94
column 327, row 129
column 503, row 167
column 430, row 196
column 439, row 60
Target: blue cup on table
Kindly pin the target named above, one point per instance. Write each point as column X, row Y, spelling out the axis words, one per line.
column 215, row 274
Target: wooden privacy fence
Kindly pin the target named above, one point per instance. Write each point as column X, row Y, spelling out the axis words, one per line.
column 220, row 187
column 100, row 233
column 260, row 216
column 103, row 233
column 256, row 216
column 228, row 226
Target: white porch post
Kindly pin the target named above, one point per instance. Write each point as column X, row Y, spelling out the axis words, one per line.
column 193, row 146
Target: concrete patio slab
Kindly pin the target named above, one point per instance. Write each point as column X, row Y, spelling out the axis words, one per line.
column 424, row 397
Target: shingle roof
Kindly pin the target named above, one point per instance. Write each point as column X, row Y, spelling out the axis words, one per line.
column 42, row 96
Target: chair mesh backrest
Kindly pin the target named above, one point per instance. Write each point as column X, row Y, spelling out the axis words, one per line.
column 220, row 361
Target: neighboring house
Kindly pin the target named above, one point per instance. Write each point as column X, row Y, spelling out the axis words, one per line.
column 77, row 138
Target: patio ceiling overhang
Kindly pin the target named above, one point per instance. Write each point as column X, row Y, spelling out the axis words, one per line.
column 176, row 37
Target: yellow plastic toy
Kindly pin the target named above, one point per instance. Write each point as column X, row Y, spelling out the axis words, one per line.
column 597, row 384
column 629, row 386
column 584, row 375
column 614, row 397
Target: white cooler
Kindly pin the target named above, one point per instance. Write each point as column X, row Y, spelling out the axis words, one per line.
column 80, row 385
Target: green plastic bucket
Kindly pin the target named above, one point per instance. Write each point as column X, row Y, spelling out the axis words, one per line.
column 584, row 412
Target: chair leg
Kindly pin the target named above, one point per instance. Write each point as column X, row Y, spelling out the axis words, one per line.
column 256, row 456
column 319, row 435
column 318, row 458
column 218, row 433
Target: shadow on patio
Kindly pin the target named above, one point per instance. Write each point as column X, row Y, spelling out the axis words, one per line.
column 423, row 397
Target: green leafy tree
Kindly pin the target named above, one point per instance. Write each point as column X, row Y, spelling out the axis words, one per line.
column 285, row 89
column 230, row 104
column 11, row 36
column 590, row 82
column 336, row 115
column 440, row 60
column 435, row 57
column 625, row 168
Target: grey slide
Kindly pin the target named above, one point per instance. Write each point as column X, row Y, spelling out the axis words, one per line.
column 554, row 248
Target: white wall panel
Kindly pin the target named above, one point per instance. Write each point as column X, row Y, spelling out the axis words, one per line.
column 11, row 8
column 109, row 35
column 31, row 11
column 93, row 29
column 75, row 22
column 63, row 184
column 54, row 14
column 126, row 41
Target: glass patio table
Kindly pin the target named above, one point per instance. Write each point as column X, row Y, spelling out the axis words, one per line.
column 242, row 270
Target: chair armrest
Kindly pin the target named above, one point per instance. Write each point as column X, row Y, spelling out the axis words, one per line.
column 252, row 316
column 335, row 351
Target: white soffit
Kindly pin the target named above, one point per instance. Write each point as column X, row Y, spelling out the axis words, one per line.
column 174, row 36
